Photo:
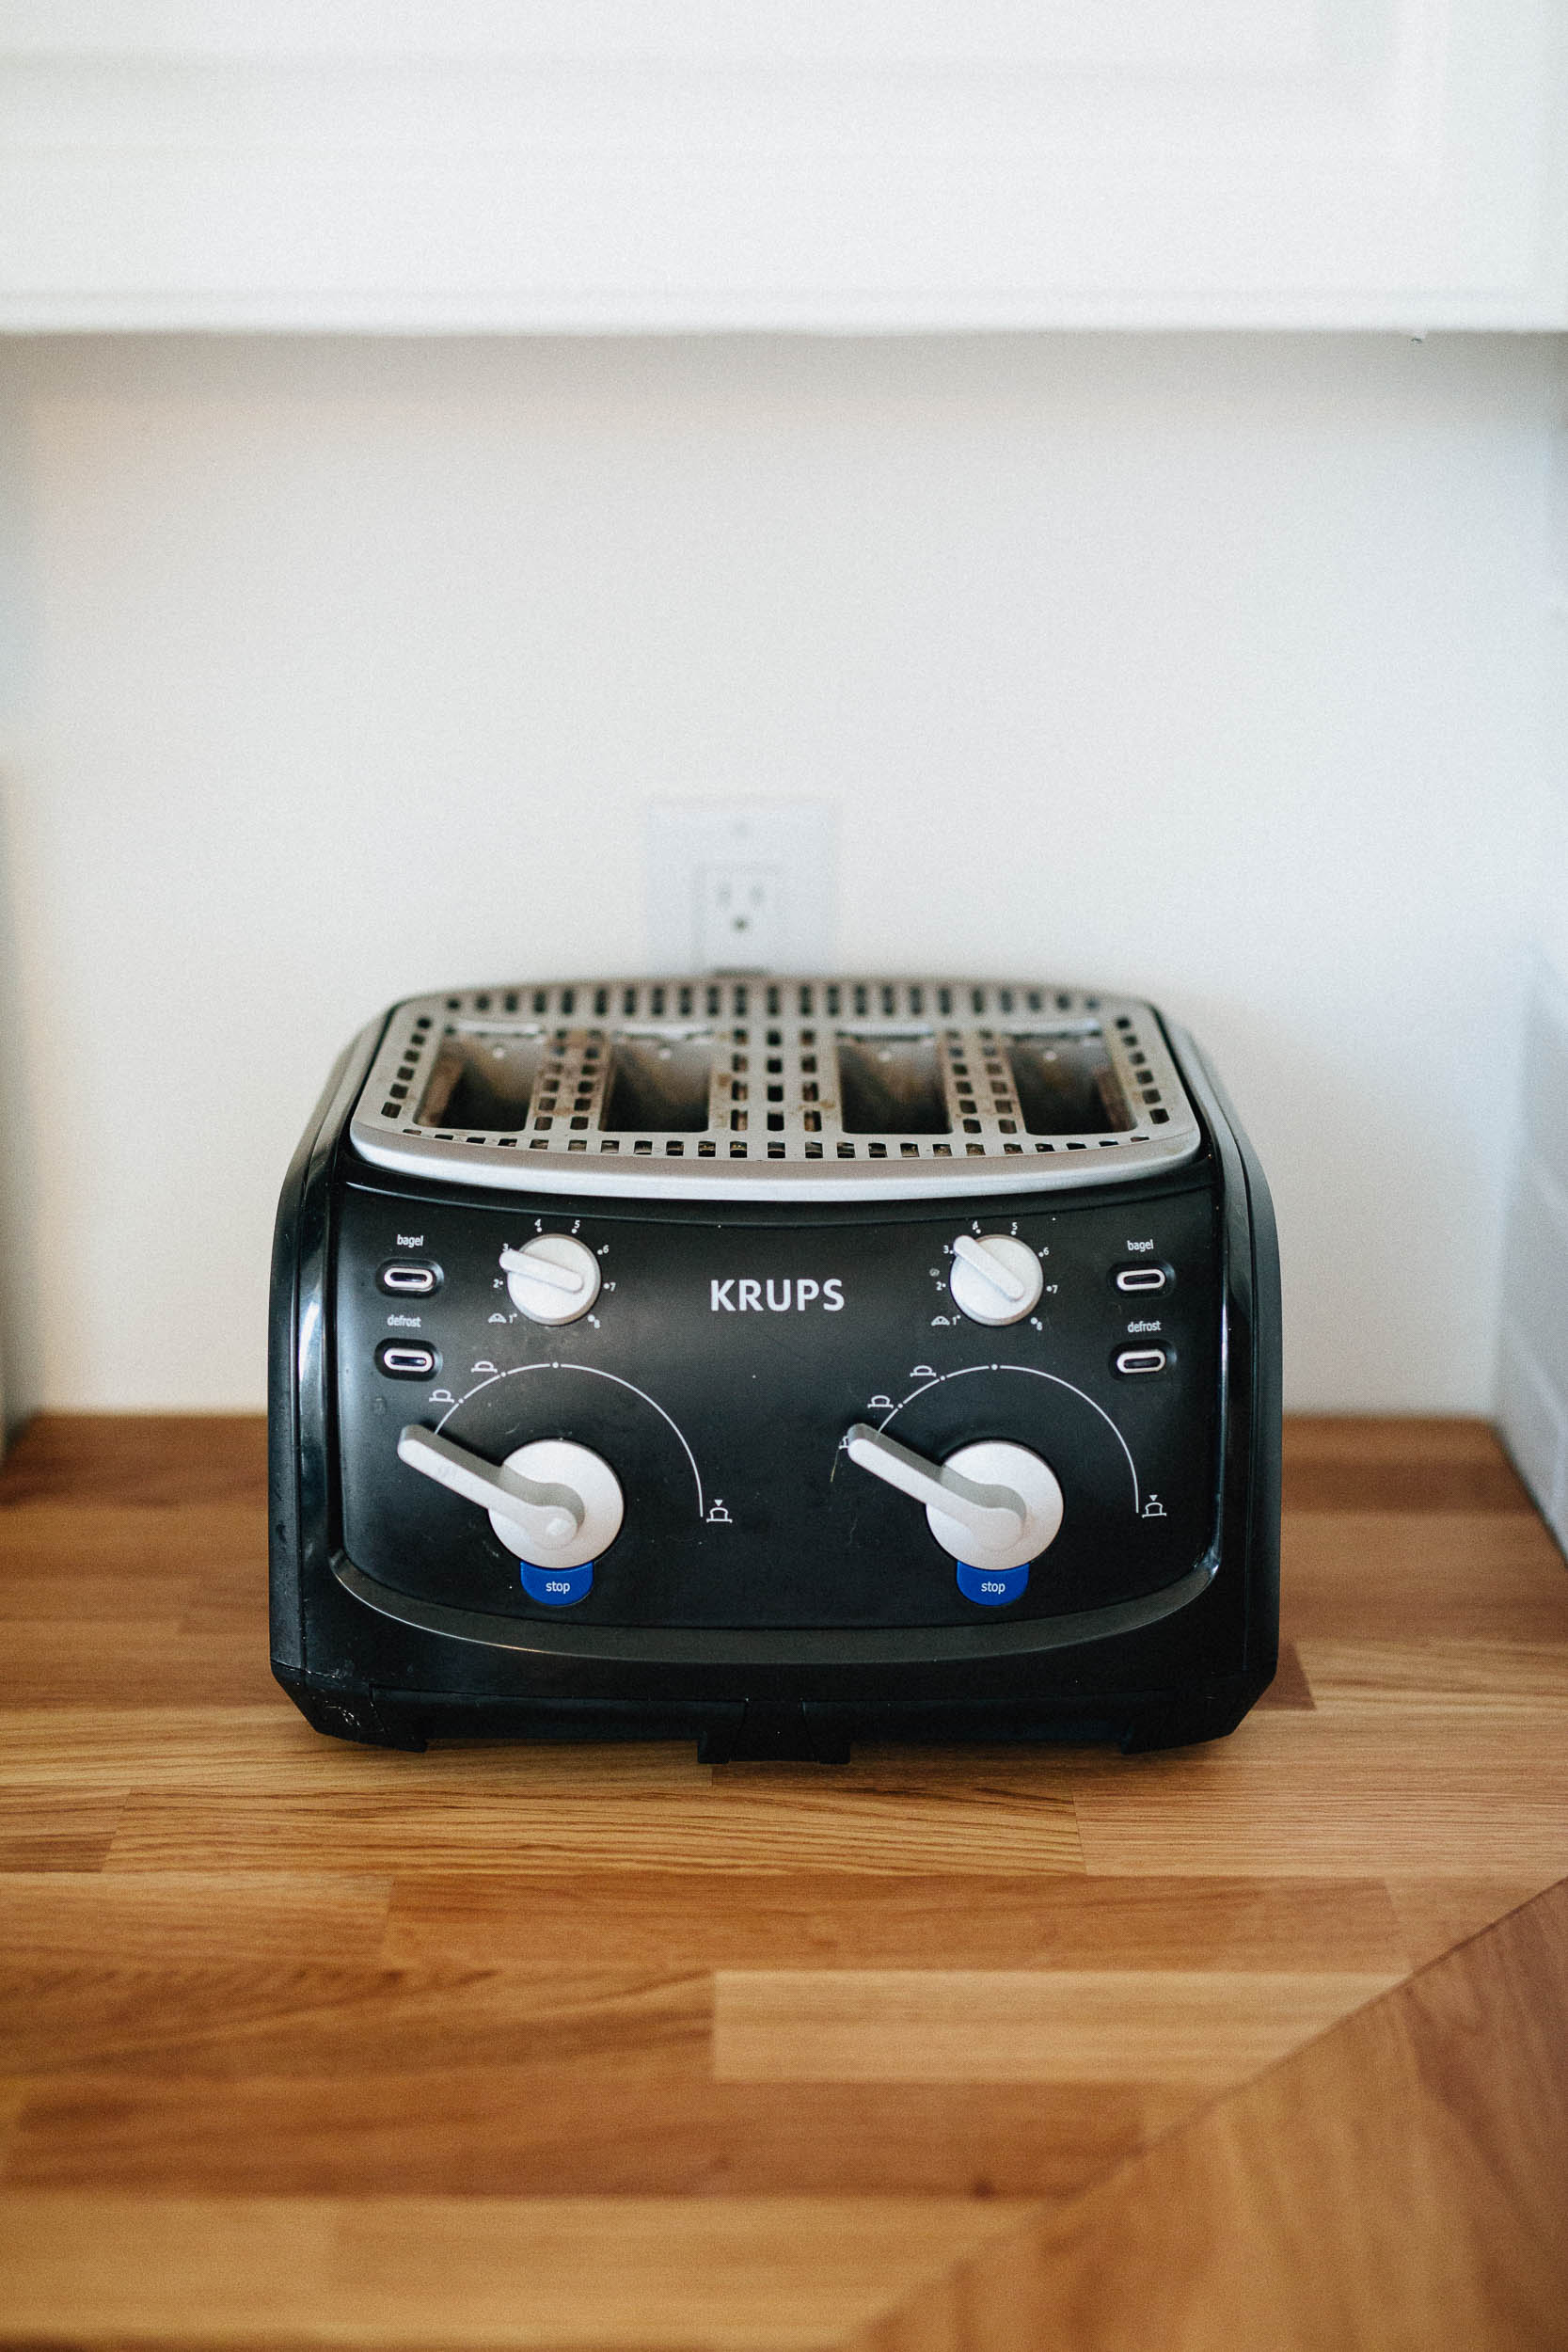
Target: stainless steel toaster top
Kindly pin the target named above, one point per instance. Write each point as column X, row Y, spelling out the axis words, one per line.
column 735, row 1087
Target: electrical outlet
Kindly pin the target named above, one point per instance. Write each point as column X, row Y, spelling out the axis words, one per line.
column 740, row 885
column 739, row 908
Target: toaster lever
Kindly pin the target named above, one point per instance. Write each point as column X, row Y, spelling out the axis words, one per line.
column 550, row 1514
column 993, row 1515
column 991, row 1506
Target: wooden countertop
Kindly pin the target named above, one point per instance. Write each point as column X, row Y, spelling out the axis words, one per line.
column 1260, row 2043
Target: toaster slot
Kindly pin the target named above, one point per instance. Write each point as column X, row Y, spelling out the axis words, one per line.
column 659, row 1083
column 890, row 1084
column 1066, row 1086
column 482, row 1078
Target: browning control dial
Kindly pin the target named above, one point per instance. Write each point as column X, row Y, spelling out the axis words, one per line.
column 995, row 1279
column 552, row 1278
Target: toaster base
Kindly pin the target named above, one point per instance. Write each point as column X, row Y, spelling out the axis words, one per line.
column 773, row 1730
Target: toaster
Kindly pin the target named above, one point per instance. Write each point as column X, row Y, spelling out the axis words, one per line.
column 779, row 1363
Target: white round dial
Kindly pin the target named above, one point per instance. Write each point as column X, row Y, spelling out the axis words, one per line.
column 552, row 1278
column 554, row 1503
column 1024, row 1474
column 555, row 1462
column 995, row 1277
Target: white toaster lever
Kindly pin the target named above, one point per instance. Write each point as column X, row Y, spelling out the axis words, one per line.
column 993, row 1515
column 549, row 1514
column 973, row 1515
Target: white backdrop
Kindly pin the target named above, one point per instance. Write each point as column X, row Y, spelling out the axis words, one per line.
column 1210, row 667
column 844, row 164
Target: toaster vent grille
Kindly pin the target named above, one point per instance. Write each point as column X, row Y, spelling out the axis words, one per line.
column 887, row 1084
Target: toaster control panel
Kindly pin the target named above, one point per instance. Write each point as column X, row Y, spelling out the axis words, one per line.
column 863, row 1418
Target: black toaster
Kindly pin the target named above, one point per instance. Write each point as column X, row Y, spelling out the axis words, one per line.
column 777, row 1362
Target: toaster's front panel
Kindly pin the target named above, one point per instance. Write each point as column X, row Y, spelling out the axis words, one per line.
column 721, row 1368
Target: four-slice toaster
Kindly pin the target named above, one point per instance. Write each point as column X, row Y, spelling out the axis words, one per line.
column 777, row 1362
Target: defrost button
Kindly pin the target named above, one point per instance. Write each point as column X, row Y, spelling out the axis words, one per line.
column 406, row 1360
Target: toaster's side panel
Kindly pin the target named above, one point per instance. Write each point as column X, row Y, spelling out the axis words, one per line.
column 1245, row 1594
column 1264, row 1371
column 283, row 1533
column 327, row 1688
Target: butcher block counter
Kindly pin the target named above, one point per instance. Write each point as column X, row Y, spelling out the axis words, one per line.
column 1259, row 2044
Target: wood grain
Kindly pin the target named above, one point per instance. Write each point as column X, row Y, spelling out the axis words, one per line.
column 1208, row 2028
column 316, row 2024
column 1397, row 2185
column 551, row 1813
column 161, row 1919
column 123, row 1460
column 641, row 2118
column 52, row 1828
column 790, row 2274
column 1493, row 1678
column 1257, row 2043
column 1372, row 1462
column 674, row 1921
column 1389, row 1794
column 1451, row 1576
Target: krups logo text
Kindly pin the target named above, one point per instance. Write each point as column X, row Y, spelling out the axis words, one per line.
column 751, row 1297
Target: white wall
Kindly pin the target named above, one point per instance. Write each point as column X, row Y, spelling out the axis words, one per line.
column 472, row 164
column 1205, row 666
column 1532, row 1356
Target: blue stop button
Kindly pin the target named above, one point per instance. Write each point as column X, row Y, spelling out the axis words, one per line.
column 993, row 1588
column 557, row 1587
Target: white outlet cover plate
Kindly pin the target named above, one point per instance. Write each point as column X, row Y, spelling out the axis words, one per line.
column 793, row 841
